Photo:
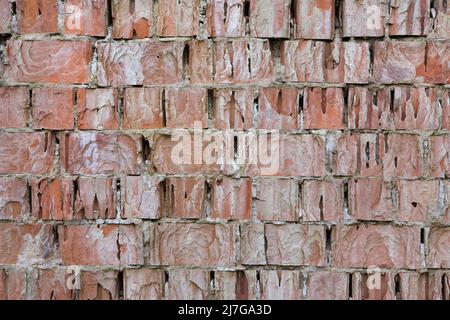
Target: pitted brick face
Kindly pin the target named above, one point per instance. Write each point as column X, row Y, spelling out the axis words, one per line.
column 224, row 149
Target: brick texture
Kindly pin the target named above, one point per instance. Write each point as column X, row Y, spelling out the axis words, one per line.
column 224, row 149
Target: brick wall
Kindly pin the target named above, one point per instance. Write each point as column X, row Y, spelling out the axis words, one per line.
column 92, row 205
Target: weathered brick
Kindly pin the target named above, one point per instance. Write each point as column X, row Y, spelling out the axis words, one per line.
column 142, row 108
column 444, row 100
column 441, row 26
column 280, row 285
column 92, row 153
column 277, row 199
column 92, row 245
column 98, row 109
column 278, row 108
column 403, row 157
column 225, row 18
column 439, row 158
column 186, row 107
column 52, row 108
column 26, row 152
column 37, row 16
column 86, row 17
column 373, row 285
column 5, row 16
column 327, row 285
column 142, row 197
column 269, row 18
column 239, row 285
column 314, row 19
column 50, row 284
column 178, row 18
column 186, row 197
column 344, row 160
column 52, row 199
column 140, row 63
column 418, row 200
column 99, row 285
column 188, row 284
column 387, row 246
column 26, row 244
column 438, row 254
column 12, row 284
column 323, row 108
column 322, row 200
column 437, row 68
column 143, row 284
column 233, row 109
column 94, row 198
column 14, row 103
column 252, row 251
column 48, row 61
column 14, row 199
column 363, row 18
column 193, row 245
column 198, row 62
column 372, row 152
column 243, row 61
column 408, row 18
column 231, row 198
column 295, row 244
column 132, row 19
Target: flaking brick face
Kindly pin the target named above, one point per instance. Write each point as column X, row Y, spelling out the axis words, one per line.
column 333, row 117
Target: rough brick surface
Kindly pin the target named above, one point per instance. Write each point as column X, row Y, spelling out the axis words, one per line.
column 224, row 149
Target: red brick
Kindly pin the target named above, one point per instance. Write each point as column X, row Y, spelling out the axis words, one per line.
column 439, row 158
column 372, row 199
column 437, row 285
column 418, row 200
column 12, row 284
column 100, row 245
column 363, row 18
column 280, row 285
column 444, row 99
column 438, row 254
column 327, row 285
column 278, row 108
column 14, row 199
column 50, row 284
column 295, row 244
column 185, row 107
column 331, row 112
column 231, row 198
column 225, row 18
column 178, row 18
column 5, row 16
column 99, row 285
column 233, row 109
column 26, row 244
column 52, row 108
column 344, row 160
column 412, row 286
column 372, row 151
column 369, row 109
column 186, row 197
column 94, row 198
column 48, row 61
column 316, row 61
column 440, row 27
column 139, row 63
column 322, row 200
column 84, row 17
column 37, row 16
column 269, row 18
column 398, row 62
column 98, row 109
column 199, row 67
column 193, row 245
column 26, row 152
column 188, row 284
column 409, row 18
column 386, row 246
column 142, row 108
column 373, row 285
column 143, row 284
column 252, row 249
column 314, row 19
column 403, row 156
column 243, row 61
column 239, row 285
column 91, row 153
column 14, row 103
column 437, row 68
column 142, row 197
column 277, row 199
column 52, row 199
column 132, row 19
